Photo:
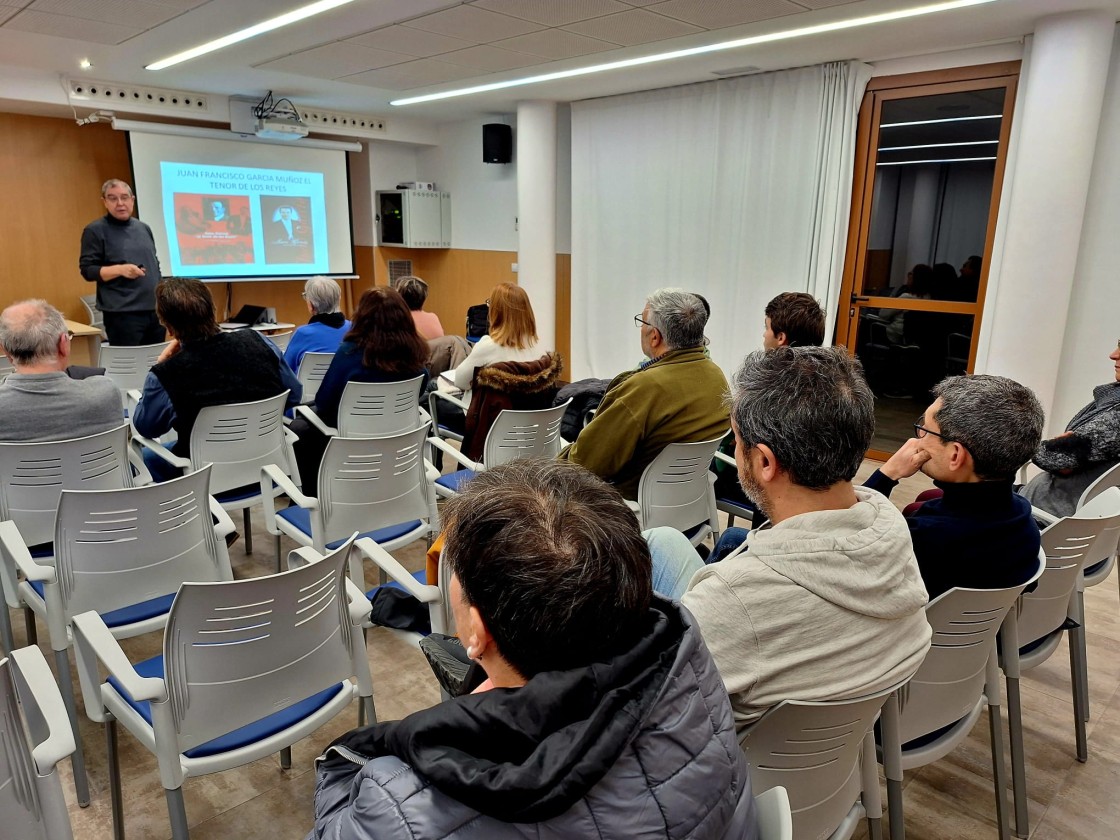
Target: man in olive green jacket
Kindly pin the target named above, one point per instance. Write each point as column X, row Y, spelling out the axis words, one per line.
column 677, row 396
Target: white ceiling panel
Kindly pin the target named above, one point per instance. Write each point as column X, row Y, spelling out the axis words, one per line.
column 716, row 14
column 333, row 60
column 634, row 27
column 824, row 4
column 15, row 4
column 412, row 74
column 555, row 44
column 551, row 12
column 6, row 12
column 490, row 59
column 640, row 2
column 414, row 42
column 62, row 26
column 473, row 24
column 132, row 13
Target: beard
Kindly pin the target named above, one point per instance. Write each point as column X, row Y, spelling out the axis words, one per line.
column 753, row 489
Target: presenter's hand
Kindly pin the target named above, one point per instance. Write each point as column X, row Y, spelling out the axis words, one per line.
column 906, row 461
column 132, row 271
column 170, row 350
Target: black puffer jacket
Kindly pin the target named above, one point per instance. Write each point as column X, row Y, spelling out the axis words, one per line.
column 638, row 747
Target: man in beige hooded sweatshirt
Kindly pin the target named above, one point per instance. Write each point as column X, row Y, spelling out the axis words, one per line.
column 826, row 601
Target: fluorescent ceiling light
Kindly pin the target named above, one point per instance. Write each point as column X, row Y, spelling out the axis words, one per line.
column 249, row 32
column 942, row 160
column 943, row 120
column 784, row 35
column 938, row 145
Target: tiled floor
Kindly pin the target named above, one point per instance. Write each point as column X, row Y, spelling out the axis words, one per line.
column 949, row 799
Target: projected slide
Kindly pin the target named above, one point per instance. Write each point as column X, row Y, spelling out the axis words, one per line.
column 228, row 221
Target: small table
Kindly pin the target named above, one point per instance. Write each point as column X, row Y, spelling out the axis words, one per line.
column 85, row 346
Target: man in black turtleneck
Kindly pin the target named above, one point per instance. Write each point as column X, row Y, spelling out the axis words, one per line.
column 119, row 255
column 979, row 534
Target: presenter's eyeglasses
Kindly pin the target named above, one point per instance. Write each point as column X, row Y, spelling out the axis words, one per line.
column 119, row 199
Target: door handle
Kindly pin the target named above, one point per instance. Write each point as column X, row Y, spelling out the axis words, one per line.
column 856, row 298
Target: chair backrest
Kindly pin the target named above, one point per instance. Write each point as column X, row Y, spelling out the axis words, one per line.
column 128, row 366
column 6, row 367
column 524, row 434
column 32, row 806
column 1105, row 548
column 675, row 489
column 370, row 483
column 775, row 819
column 33, row 475
column 115, row 548
column 951, row 678
column 376, row 409
column 281, row 340
column 1109, row 478
column 96, row 318
column 312, row 368
column 812, row 749
column 239, row 439
column 1069, row 543
column 238, row 651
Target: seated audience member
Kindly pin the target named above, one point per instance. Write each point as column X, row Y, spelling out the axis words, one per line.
column 512, row 338
column 1089, row 447
column 826, row 601
column 675, row 396
column 382, row 346
column 201, row 367
column 602, row 714
column 39, row 401
column 415, row 293
column 327, row 325
column 978, row 534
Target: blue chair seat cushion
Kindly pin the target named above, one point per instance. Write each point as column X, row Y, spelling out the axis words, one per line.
column 455, row 481
column 300, row 518
column 238, row 494
column 420, row 577
column 246, row 735
column 126, row 615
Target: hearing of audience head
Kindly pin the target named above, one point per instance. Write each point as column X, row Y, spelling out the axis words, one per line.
column 384, row 330
column 793, row 319
column 185, row 308
column 323, row 295
column 413, row 290
column 512, row 323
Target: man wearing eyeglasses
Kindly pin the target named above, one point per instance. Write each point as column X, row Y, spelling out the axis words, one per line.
column 675, row 396
column 971, row 441
column 119, row 255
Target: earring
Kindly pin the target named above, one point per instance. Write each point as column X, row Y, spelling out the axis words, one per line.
column 472, row 653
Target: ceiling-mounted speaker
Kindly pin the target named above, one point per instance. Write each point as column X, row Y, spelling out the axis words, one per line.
column 497, row 143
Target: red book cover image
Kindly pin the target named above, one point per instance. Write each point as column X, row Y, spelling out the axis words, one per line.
column 213, row 229
column 288, row 233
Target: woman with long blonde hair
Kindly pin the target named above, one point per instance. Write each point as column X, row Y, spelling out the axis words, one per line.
column 512, row 338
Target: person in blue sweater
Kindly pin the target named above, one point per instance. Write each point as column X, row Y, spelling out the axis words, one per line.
column 381, row 346
column 978, row 533
column 324, row 331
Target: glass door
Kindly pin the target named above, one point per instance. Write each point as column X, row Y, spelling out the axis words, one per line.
column 929, row 172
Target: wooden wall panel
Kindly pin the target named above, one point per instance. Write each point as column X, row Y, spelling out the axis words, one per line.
column 564, row 310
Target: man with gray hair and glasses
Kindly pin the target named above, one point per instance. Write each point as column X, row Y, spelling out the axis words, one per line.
column 324, row 330
column 675, row 396
column 39, row 401
column 825, row 602
column 976, row 532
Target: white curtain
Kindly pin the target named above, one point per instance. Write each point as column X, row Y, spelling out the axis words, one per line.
column 737, row 189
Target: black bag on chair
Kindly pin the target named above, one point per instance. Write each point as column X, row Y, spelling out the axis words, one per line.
column 478, row 320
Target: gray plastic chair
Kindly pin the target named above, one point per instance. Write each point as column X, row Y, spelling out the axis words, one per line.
column 281, row 340
column 32, row 806
column 823, row 754
column 373, row 409
column 957, row 679
column 6, row 367
column 775, row 819
column 128, row 366
column 249, row 667
column 122, row 553
column 1034, row 627
column 676, row 490
column 312, row 368
column 96, row 318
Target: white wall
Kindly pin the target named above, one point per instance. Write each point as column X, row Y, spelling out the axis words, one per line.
column 564, row 178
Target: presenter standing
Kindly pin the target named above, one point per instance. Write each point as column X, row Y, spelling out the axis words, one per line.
column 119, row 255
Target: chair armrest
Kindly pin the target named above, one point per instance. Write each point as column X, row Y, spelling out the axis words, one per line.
column 272, row 474
column 386, row 562
column 93, row 644
column 445, row 447
column 311, row 417
column 160, row 450
column 131, row 400
column 430, row 471
column 43, row 694
column 440, row 395
column 304, row 556
column 224, row 526
column 360, row 606
column 1043, row 516
column 16, row 557
column 725, row 458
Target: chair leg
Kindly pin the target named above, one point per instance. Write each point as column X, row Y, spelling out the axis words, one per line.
column 30, row 626
column 871, row 796
column 1018, row 758
column 1084, row 656
column 279, row 560
column 6, row 634
column 177, row 811
column 367, row 714
column 892, row 766
column 78, row 759
column 999, row 770
column 1080, row 700
column 248, row 532
column 115, row 780
column 286, row 758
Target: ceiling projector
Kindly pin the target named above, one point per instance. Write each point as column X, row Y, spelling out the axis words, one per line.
column 278, row 128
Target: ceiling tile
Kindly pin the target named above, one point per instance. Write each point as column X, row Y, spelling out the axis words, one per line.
column 716, row 14
column 641, row 2
column 555, row 44
column 333, row 60
column 6, row 12
column 824, row 4
column 78, row 29
column 634, row 27
column 473, row 24
column 412, row 74
column 181, row 5
column 15, row 4
column 489, row 58
column 414, row 42
column 552, row 13
column 135, row 14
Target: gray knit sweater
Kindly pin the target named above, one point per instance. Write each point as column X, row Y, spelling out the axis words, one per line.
column 52, row 406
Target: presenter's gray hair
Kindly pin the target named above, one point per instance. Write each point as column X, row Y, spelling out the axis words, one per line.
column 31, row 335
column 323, row 294
column 112, row 182
column 679, row 316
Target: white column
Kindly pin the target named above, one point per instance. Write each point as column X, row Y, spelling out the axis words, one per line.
column 1059, row 115
column 536, row 212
